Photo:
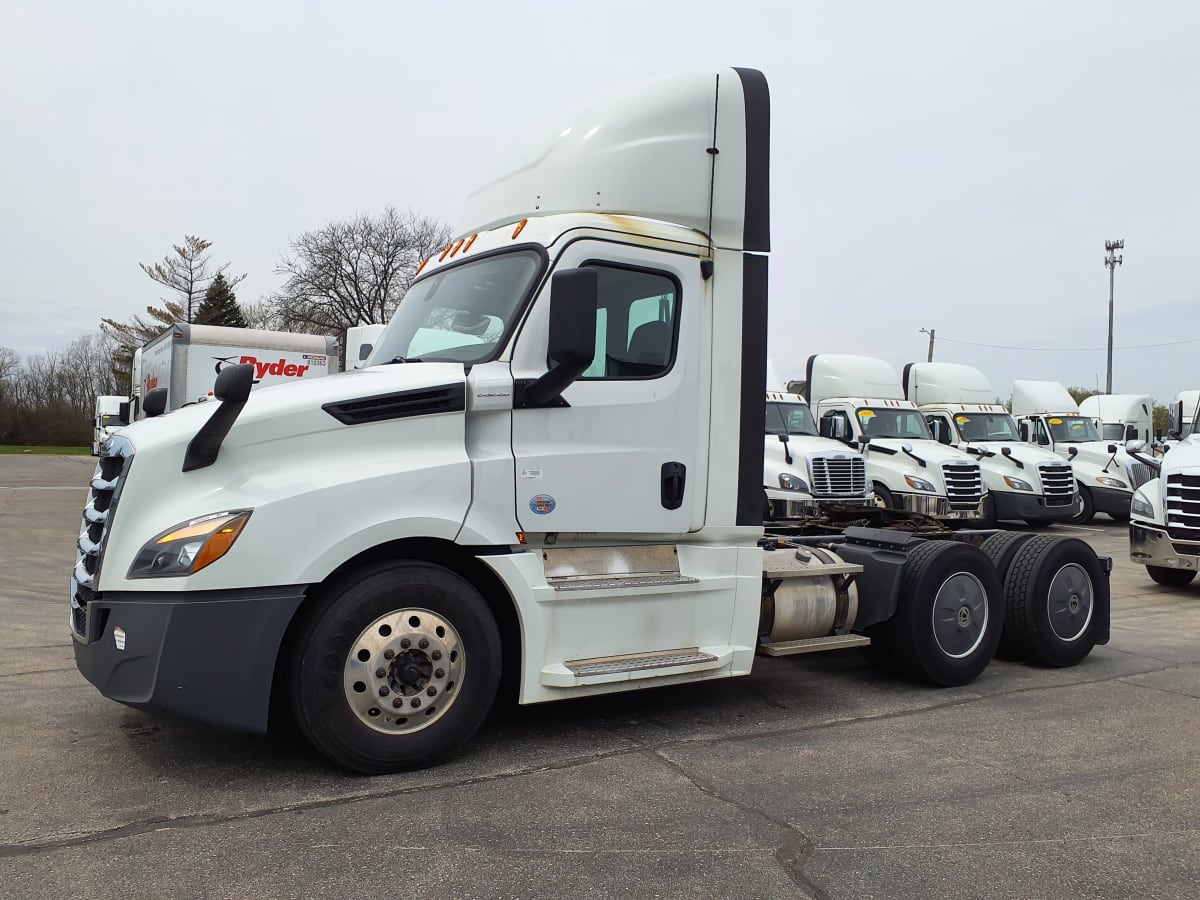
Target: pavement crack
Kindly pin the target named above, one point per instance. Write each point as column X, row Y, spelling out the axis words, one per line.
column 37, row 672
column 1161, row 690
column 952, row 845
column 794, row 849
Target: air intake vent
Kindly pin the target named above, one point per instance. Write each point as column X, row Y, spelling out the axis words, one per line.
column 400, row 405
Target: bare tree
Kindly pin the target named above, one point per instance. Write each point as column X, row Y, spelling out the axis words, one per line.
column 186, row 272
column 354, row 272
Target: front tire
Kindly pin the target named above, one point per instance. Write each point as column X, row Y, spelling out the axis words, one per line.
column 1087, row 508
column 1171, row 577
column 883, row 497
column 394, row 668
column 949, row 614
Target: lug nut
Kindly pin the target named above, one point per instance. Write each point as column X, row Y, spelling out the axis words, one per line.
column 436, row 655
column 439, row 673
column 431, row 691
column 397, row 703
column 424, row 643
column 381, row 672
column 416, row 702
column 384, row 691
column 405, row 643
column 389, row 653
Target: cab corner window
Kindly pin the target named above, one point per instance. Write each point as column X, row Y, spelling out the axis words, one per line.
column 635, row 323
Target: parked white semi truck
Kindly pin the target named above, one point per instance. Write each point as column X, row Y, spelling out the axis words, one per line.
column 1105, row 473
column 1183, row 413
column 549, row 475
column 1023, row 483
column 1121, row 417
column 1164, row 531
column 860, row 400
column 111, row 415
column 804, row 473
column 360, row 341
column 186, row 359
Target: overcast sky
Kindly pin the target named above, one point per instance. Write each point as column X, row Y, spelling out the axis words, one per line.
column 950, row 165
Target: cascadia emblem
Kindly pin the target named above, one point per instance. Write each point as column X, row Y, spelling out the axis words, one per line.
column 542, row 504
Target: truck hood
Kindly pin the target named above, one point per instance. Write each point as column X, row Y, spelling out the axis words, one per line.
column 1031, row 455
column 285, row 410
column 932, row 452
column 775, row 463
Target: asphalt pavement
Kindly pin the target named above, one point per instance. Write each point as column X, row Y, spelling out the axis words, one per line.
column 815, row 776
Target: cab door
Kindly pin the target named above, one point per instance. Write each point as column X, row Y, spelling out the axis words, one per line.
column 623, row 450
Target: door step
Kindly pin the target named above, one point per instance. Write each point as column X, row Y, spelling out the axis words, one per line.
column 610, row 582
column 602, row 669
column 814, row 645
column 613, row 568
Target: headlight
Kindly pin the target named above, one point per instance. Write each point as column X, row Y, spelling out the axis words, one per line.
column 1111, row 482
column 1141, row 505
column 793, row 483
column 919, row 484
column 189, row 546
column 1017, row 484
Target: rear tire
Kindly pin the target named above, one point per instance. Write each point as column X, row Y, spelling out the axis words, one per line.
column 430, row 633
column 1054, row 588
column 1001, row 549
column 1171, row 577
column 949, row 614
column 1087, row 508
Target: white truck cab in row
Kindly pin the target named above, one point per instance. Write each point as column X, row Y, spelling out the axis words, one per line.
column 1183, row 414
column 1023, row 482
column 1121, row 417
column 803, row 471
column 860, row 401
column 1164, row 531
column 1048, row 416
column 111, row 415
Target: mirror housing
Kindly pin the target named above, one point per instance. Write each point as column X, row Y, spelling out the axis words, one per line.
column 1134, row 446
column 233, row 383
column 1112, row 448
column 574, row 297
column 123, row 412
column 155, row 402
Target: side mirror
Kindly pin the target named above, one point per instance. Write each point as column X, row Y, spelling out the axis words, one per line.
column 1072, row 452
column 574, row 296
column 833, row 426
column 1112, row 448
column 155, row 402
column 1135, row 446
column 783, row 438
column 1006, row 451
column 234, row 383
column 123, row 412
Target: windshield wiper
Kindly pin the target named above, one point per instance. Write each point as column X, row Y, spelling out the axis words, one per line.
column 404, row 359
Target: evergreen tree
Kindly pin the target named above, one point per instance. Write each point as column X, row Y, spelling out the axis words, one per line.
column 219, row 306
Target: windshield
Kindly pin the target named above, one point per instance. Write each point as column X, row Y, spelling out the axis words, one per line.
column 893, row 423
column 1112, row 432
column 110, row 421
column 986, row 427
column 461, row 314
column 1072, row 429
column 790, row 418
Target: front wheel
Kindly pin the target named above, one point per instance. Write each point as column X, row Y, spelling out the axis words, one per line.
column 949, row 614
column 394, row 668
column 883, row 497
column 1171, row 577
column 1087, row 508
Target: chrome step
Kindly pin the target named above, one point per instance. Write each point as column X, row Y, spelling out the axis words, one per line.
column 626, row 580
column 664, row 659
column 814, row 645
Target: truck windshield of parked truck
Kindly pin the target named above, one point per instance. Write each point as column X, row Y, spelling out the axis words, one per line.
column 1072, row 429
column 1114, row 431
column 110, row 420
column 462, row 314
column 790, row 418
column 893, row 423
column 986, row 427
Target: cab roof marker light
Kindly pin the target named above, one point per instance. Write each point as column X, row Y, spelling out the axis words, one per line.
column 457, row 247
column 470, row 241
column 445, row 252
column 520, row 227
column 423, row 265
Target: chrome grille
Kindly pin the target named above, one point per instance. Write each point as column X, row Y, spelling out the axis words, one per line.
column 837, row 474
column 964, row 484
column 1139, row 473
column 1058, row 483
column 115, row 458
column 1183, row 506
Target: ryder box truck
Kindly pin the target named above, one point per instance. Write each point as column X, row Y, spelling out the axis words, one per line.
column 548, row 475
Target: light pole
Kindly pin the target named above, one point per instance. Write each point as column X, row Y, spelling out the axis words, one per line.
column 931, row 332
column 1111, row 261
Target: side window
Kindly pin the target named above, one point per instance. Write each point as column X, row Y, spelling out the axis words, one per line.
column 940, row 428
column 635, row 323
column 1042, row 437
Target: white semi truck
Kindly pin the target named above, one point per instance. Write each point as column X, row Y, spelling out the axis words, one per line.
column 803, row 473
column 1121, row 417
column 186, row 359
column 1164, row 531
column 1183, row 413
column 548, row 476
column 1105, row 473
column 1023, row 482
column 860, row 401
column 111, row 415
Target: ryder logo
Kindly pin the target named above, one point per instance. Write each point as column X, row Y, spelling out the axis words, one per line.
column 263, row 369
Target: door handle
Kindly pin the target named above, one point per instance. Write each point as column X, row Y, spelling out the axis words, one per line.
column 674, row 476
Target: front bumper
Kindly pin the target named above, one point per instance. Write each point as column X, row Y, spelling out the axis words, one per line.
column 1152, row 546
column 1023, row 505
column 1112, row 500
column 937, row 507
column 782, row 505
column 205, row 655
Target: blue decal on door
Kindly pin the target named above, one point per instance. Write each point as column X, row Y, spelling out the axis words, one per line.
column 542, row 504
